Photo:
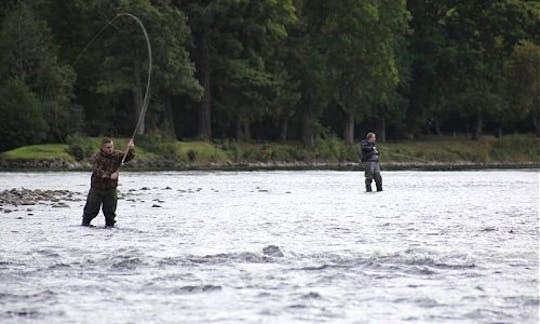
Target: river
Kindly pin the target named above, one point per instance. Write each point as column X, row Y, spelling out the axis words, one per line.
column 276, row 247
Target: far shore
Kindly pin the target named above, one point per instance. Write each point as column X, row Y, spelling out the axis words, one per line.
column 517, row 151
column 59, row 165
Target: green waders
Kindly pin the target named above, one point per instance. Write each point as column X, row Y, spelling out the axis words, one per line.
column 373, row 172
column 96, row 199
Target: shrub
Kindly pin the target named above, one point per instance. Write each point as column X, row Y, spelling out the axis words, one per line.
column 517, row 147
column 191, row 155
column 280, row 154
column 334, row 149
column 79, row 147
column 250, row 154
column 233, row 150
column 159, row 143
column 299, row 154
column 23, row 122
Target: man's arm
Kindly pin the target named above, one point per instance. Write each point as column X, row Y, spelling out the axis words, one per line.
column 366, row 147
column 130, row 152
column 129, row 156
column 369, row 149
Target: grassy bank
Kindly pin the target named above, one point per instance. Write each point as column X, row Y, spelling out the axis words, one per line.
column 158, row 151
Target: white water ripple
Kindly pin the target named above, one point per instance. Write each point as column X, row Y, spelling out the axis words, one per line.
column 277, row 247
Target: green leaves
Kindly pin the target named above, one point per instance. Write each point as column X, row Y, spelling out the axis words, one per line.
column 31, row 67
column 22, row 117
column 265, row 67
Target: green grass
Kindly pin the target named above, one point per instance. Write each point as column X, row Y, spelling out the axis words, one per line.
column 203, row 152
column 516, row 148
column 512, row 148
column 38, row 152
column 437, row 151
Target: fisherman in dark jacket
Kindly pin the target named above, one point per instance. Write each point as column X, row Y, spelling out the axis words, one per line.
column 370, row 158
column 105, row 165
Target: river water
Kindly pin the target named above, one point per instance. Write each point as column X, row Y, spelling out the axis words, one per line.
column 277, row 247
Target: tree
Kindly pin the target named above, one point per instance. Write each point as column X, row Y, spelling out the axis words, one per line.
column 251, row 68
column 23, row 122
column 307, row 65
column 523, row 83
column 362, row 37
column 479, row 39
column 431, row 64
column 112, row 72
column 234, row 44
column 174, row 71
column 28, row 54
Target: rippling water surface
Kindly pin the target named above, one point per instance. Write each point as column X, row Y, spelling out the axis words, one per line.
column 277, row 247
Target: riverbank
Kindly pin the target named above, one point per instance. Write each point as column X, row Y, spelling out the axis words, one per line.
column 514, row 151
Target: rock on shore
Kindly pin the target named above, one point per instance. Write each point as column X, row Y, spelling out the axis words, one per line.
column 24, row 196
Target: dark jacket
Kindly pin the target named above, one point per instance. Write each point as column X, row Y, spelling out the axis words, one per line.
column 104, row 165
column 368, row 152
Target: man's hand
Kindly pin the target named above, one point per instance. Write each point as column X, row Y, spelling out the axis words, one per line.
column 131, row 145
column 114, row 175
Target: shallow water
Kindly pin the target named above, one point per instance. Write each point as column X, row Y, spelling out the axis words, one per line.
column 277, row 247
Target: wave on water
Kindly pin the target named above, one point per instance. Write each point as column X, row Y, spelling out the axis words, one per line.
column 410, row 260
column 268, row 254
column 36, row 297
column 196, row 289
column 417, row 261
column 126, row 263
column 26, row 313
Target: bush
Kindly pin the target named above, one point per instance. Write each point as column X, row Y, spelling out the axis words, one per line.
column 265, row 153
column 250, row 153
column 160, row 144
column 334, row 149
column 280, row 154
column 299, row 153
column 23, row 122
column 191, row 155
column 233, row 150
column 79, row 147
column 516, row 147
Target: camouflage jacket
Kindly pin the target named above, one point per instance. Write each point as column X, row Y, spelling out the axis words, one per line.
column 105, row 165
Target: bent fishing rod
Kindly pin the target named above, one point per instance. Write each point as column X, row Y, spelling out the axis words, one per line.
column 146, row 99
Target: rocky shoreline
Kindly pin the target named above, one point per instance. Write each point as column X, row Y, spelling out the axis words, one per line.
column 17, row 200
column 164, row 165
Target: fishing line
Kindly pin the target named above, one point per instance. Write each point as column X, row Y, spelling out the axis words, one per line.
column 144, row 107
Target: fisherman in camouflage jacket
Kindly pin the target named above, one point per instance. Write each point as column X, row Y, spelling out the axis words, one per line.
column 105, row 165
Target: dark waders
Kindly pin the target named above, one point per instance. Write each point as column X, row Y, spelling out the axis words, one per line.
column 96, row 199
column 373, row 172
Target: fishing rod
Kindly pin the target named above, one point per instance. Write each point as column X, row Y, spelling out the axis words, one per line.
column 146, row 99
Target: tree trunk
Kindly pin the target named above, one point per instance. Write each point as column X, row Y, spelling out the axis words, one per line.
column 438, row 127
column 499, row 131
column 138, row 95
column 203, row 73
column 536, row 120
column 247, row 130
column 307, row 129
column 239, row 131
column 349, row 129
column 381, row 130
column 284, row 129
column 168, row 117
column 478, row 127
